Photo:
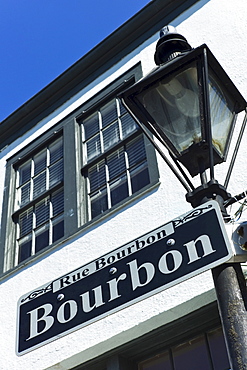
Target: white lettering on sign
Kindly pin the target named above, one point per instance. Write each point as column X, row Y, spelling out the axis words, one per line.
column 113, row 285
column 47, row 320
column 177, row 259
column 114, row 256
column 134, row 273
column 202, row 240
column 72, row 305
column 43, row 318
column 98, row 299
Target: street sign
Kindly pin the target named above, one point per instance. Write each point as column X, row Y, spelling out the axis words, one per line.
column 168, row 255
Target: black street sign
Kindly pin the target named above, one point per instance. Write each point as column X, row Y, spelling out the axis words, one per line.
column 176, row 251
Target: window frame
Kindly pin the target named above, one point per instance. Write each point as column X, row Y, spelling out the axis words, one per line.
column 35, row 201
column 75, row 195
column 8, row 251
column 91, row 106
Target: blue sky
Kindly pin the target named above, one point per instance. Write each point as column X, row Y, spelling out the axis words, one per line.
column 39, row 39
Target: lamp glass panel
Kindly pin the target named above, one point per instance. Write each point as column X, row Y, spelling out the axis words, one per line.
column 222, row 113
column 173, row 104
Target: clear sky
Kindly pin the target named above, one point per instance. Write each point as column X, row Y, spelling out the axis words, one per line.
column 39, row 39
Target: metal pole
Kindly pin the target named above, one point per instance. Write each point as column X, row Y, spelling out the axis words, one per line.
column 229, row 172
column 231, row 294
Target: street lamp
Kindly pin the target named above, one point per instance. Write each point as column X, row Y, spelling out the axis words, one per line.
column 190, row 105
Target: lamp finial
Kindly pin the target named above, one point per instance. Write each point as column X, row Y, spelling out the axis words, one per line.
column 167, row 30
column 170, row 45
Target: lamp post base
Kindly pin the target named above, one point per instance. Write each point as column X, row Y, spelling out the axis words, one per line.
column 231, row 294
column 208, row 191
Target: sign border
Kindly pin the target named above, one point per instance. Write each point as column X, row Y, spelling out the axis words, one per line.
column 179, row 221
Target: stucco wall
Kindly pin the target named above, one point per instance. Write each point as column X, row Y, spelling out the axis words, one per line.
column 221, row 26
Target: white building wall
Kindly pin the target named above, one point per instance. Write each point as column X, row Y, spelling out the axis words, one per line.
column 221, row 25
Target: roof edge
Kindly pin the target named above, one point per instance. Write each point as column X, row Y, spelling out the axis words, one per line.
column 108, row 52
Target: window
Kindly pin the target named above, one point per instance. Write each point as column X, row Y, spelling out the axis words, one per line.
column 114, row 156
column 39, row 207
column 88, row 163
column 204, row 352
column 39, row 200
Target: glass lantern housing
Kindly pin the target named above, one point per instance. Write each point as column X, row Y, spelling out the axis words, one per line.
column 190, row 105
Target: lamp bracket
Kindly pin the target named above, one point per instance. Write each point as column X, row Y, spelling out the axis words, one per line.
column 235, row 199
column 205, row 192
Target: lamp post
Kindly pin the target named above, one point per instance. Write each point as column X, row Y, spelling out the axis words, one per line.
column 190, row 105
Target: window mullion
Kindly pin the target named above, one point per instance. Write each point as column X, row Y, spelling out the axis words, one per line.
column 84, row 145
column 101, row 132
column 18, row 190
column 18, row 198
column 88, row 198
column 108, row 190
column 50, row 220
column 208, row 349
column 33, row 232
column 47, row 167
column 119, row 120
column 17, row 248
column 128, row 172
column 171, row 359
column 31, row 180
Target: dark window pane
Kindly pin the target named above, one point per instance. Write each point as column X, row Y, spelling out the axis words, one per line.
column 42, row 211
column 111, row 136
column 39, row 184
column 136, row 151
column 26, row 222
column 139, row 177
column 25, row 194
column 109, row 113
column 56, row 151
column 93, row 147
column 116, row 163
column 39, row 162
column 159, row 362
column 56, row 173
column 25, row 248
column 58, row 230
column 97, row 176
column 192, row 355
column 57, row 200
column 99, row 203
column 91, row 125
column 128, row 125
column 119, row 190
column 218, row 349
column 25, row 172
column 41, row 239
